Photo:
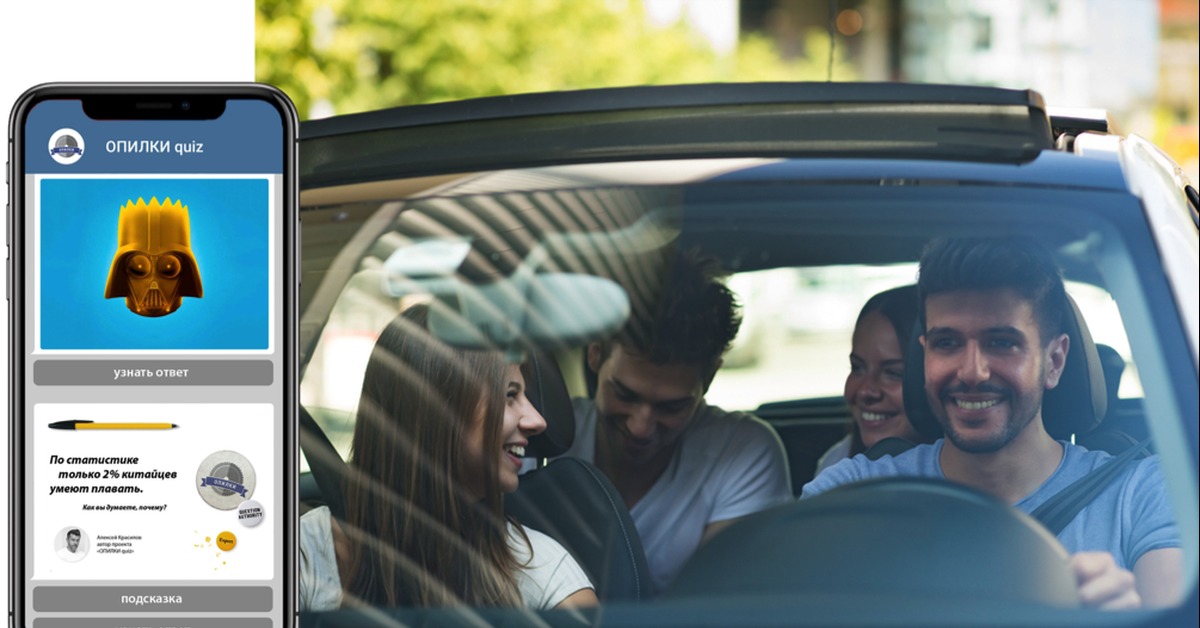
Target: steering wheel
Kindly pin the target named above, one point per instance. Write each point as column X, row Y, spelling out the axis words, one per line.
column 918, row 540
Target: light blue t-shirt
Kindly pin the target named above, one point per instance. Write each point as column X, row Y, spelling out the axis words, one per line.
column 1127, row 519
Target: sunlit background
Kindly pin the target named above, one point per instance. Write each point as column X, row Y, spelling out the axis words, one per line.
column 1137, row 59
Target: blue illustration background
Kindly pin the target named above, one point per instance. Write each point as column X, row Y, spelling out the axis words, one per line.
column 229, row 228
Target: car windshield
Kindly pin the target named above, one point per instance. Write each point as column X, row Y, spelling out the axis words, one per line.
column 794, row 340
column 805, row 242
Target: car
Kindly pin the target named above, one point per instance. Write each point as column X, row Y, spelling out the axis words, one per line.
column 813, row 196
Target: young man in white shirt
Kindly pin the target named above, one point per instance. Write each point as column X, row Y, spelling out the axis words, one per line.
column 684, row 468
column 71, row 552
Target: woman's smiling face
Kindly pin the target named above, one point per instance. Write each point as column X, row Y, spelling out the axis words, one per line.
column 521, row 422
column 875, row 386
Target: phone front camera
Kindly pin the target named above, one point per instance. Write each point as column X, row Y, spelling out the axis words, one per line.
column 185, row 105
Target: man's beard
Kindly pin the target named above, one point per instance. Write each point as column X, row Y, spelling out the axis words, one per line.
column 1019, row 417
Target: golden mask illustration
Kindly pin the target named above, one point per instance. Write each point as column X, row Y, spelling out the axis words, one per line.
column 154, row 267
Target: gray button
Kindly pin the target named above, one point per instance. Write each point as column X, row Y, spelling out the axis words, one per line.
column 151, row 599
column 152, row 372
column 155, row 622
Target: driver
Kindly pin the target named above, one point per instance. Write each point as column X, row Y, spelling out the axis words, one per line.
column 993, row 340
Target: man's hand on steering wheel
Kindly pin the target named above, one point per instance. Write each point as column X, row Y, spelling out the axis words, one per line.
column 1102, row 584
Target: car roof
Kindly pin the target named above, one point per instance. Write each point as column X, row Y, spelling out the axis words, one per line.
column 844, row 135
column 1050, row 169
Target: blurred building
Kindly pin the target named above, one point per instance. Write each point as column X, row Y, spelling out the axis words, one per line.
column 868, row 32
column 1138, row 59
column 1080, row 53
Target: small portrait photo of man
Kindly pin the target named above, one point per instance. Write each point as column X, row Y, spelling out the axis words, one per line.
column 71, row 544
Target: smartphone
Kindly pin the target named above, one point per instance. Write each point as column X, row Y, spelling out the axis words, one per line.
column 152, row 231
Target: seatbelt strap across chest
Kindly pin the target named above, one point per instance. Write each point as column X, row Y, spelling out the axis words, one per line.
column 1058, row 511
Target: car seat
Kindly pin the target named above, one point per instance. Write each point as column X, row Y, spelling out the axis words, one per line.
column 572, row 501
column 1123, row 425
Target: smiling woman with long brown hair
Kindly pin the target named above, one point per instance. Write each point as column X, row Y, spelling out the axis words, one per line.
column 874, row 389
column 437, row 442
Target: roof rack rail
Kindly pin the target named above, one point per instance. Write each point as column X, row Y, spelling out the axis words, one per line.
column 667, row 96
column 884, row 120
column 1076, row 120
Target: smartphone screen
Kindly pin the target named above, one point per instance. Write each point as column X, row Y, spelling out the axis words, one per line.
column 152, row 286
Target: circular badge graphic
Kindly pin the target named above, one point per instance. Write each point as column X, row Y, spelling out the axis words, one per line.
column 225, row 479
column 226, row 541
column 66, row 146
column 250, row 513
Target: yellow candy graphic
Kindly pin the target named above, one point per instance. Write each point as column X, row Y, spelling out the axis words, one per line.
column 226, row 541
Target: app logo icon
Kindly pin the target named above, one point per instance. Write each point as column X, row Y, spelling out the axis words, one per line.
column 66, row 146
column 225, row 480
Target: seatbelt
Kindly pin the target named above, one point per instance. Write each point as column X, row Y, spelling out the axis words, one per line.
column 890, row 446
column 324, row 461
column 1056, row 512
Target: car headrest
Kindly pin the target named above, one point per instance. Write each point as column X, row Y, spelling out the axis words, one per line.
column 546, row 390
column 1114, row 366
column 1076, row 406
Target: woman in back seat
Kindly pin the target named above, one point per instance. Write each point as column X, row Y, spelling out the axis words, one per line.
column 875, row 386
column 438, row 440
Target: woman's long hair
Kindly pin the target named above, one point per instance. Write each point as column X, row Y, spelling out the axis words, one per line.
column 419, row 537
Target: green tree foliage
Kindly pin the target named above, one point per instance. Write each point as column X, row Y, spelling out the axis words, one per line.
column 359, row 55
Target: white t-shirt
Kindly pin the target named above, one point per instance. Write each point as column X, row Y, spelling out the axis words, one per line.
column 71, row 557
column 727, row 465
column 836, row 453
column 549, row 577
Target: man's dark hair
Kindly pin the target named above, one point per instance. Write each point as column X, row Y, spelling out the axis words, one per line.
column 1019, row 264
column 694, row 319
column 74, row 531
